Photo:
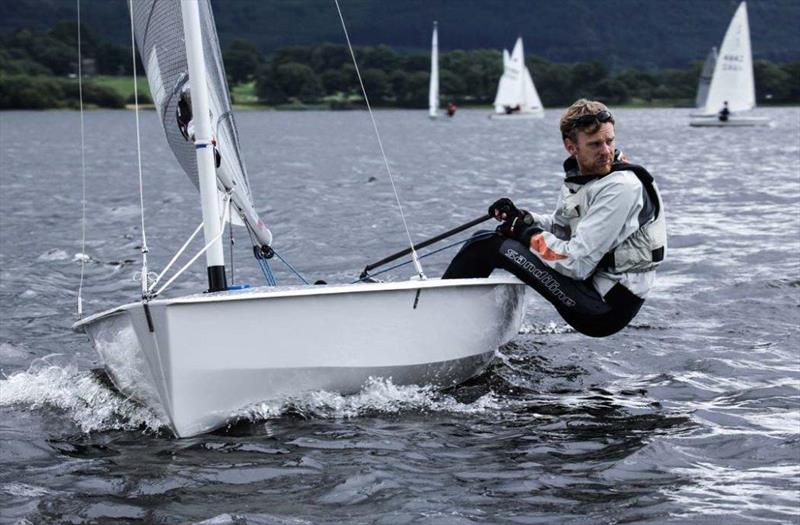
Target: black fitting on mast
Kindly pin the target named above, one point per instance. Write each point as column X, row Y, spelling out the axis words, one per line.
column 217, row 282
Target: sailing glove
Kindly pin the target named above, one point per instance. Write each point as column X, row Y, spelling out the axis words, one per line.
column 519, row 228
column 503, row 206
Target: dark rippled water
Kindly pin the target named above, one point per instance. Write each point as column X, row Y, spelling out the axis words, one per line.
column 691, row 415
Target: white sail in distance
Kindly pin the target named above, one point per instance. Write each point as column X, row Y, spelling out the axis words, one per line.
column 705, row 78
column 516, row 87
column 433, row 91
column 733, row 73
column 159, row 33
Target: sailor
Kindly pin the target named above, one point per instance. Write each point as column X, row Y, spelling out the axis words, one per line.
column 594, row 257
column 451, row 109
column 183, row 116
column 724, row 113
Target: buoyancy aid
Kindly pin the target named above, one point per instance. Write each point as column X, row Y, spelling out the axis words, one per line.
column 641, row 251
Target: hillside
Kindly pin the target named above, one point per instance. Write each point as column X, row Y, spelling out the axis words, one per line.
column 641, row 33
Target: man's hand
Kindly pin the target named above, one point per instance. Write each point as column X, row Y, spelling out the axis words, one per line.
column 517, row 224
column 503, row 209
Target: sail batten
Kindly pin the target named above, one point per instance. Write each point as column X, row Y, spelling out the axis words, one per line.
column 159, row 33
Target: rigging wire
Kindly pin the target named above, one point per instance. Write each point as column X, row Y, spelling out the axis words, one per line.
column 380, row 144
column 145, row 292
column 158, row 278
column 83, row 169
column 150, row 293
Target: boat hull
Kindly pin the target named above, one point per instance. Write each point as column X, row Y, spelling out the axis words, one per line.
column 732, row 122
column 198, row 361
column 517, row 116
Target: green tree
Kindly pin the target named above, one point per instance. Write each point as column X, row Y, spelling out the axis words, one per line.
column 242, row 59
column 451, row 85
column 399, row 81
column 328, row 57
column 611, row 91
column 792, row 69
column 553, row 81
column 639, row 83
column 24, row 92
column 379, row 57
column 585, row 75
column 293, row 54
column 416, row 92
column 772, row 82
column 377, row 85
column 334, row 81
column 298, row 81
column 417, row 62
column 267, row 89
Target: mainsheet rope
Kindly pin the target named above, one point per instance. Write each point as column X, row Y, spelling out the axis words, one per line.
column 380, row 144
column 434, row 252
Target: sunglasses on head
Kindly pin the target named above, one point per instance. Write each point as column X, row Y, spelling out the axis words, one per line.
column 587, row 120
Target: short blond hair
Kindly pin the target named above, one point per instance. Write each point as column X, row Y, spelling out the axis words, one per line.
column 578, row 109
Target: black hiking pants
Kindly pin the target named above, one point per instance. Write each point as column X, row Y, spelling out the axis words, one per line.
column 576, row 301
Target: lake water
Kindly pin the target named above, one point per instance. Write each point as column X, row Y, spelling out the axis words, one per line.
column 690, row 415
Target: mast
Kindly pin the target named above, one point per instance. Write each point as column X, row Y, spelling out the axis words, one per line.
column 212, row 229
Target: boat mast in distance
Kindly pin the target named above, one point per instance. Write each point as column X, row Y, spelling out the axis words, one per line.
column 433, row 91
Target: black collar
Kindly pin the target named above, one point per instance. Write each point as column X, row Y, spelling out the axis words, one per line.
column 573, row 175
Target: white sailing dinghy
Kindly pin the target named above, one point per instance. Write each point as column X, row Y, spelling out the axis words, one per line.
column 433, row 88
column 516, row 97
column 200, row 360
column 732, row 80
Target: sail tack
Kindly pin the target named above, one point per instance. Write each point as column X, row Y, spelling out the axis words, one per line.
column 159, row 33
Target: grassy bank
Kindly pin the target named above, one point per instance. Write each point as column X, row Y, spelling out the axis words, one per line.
column 123, row 86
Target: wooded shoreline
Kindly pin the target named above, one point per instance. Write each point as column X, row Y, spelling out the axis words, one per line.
column 38, row 71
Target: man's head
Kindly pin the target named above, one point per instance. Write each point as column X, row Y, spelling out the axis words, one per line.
column 587, row 128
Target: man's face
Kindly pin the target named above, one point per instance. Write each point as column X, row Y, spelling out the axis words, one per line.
column 594, row 152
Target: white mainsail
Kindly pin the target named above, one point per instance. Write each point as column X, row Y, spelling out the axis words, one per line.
column 433, row 92
column 733, row 73
column 159, row 33
column 516, row 90
column 705, row 78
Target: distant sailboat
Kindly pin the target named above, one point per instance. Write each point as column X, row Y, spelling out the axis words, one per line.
column 732, row 84
column 433, row 91
column 517, row 97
